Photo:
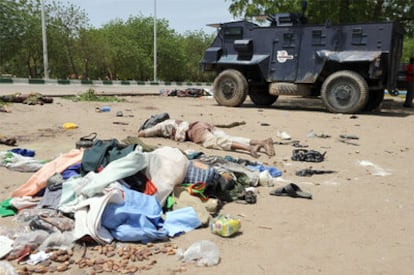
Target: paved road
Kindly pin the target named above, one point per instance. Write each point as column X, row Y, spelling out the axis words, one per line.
column 73, row 89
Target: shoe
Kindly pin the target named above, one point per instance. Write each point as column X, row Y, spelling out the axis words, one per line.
column 283, row 135
column 407, row 106
column 86, row 141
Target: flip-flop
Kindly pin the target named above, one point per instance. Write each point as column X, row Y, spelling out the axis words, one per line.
column 291, row 190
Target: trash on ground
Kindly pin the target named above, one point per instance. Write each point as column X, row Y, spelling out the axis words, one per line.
column 69, row 125
column 374, row 169
column 291, row 190
column 310, row 172
column 103, row 109
column 283, row 135
column 225, row 226
column 307, row 155
column 348, row 137
column 204, row 253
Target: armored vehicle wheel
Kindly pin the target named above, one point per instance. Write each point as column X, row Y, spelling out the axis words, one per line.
column 375, row 99
column 261, row 96
column 230, row 88
column 345, row 92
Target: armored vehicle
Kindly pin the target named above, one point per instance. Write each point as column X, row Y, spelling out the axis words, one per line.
column 349, row 65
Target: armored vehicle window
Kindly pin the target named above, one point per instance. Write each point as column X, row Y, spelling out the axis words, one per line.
column 318, row 38
column 358, row 37
column 233, row 33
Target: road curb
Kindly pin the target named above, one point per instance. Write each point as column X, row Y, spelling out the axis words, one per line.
column 10, row 80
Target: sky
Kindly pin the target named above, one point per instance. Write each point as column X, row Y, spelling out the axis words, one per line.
column 182, row 15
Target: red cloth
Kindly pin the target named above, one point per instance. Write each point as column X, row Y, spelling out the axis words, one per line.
column 409, row 72
column 150, row 188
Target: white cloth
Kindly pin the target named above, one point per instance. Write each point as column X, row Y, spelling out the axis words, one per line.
column 88, row 214
column 170, row 128
column 6, row 245
column 166, row 168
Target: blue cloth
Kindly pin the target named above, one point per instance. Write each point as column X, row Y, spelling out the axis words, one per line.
column 139, row 219
column 181, row 220
column 260, row 167
column 206, row 174
column 23, row 152
column 71, row 171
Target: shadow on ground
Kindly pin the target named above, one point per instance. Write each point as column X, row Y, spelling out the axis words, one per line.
column 391, row 107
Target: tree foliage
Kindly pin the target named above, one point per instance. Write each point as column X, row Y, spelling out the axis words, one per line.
column 336, row 11
column 119, row 50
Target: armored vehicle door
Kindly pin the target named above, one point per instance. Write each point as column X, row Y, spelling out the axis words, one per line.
column 284, row 63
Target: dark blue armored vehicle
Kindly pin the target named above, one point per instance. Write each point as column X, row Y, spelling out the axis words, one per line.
column 348, row 66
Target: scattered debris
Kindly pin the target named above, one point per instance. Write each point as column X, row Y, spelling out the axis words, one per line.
column 307, row 155
column 283, row 135
column 30, row 99
column 374, row 169
column 310, row 172
column 230, row 125
column 348, row 137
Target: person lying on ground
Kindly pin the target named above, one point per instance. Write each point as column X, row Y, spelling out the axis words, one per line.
column 208, row 136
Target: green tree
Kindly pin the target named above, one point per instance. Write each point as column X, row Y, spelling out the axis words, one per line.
column 64, row 24
column 10, row 26
column 130, row 48
column 194, row 45
column 21, row 49
column 92, row 46
column 118, row 50
column 337, row 11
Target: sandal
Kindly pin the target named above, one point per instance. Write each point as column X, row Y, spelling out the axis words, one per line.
column 86, row 141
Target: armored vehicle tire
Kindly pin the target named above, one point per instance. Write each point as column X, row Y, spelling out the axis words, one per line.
column 230, row 88
column 345, row 92
column 261, row 96
column 375, row 99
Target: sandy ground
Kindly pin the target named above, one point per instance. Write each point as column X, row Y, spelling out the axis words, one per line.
column 359, row 221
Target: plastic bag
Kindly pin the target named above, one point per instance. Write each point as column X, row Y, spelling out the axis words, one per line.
column 374, row 169
column 19, row 163
column 58, row 240
column 7, row 269
column 204, row 253
column 27, row 242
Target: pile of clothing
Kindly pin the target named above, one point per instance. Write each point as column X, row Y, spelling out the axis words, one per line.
column 119, row 191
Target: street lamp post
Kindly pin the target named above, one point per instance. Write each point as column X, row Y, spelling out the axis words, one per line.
column 155, row 40
column 44, row 40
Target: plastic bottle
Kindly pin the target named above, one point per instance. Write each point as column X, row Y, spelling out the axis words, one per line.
column 204, row 253
column 103, row 109
column 69, row 125
column 225, row 225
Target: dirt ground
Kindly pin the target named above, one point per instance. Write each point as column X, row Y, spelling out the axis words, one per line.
column 360, row 220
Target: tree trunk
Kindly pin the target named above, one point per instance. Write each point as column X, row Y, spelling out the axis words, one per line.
column 377, row 10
